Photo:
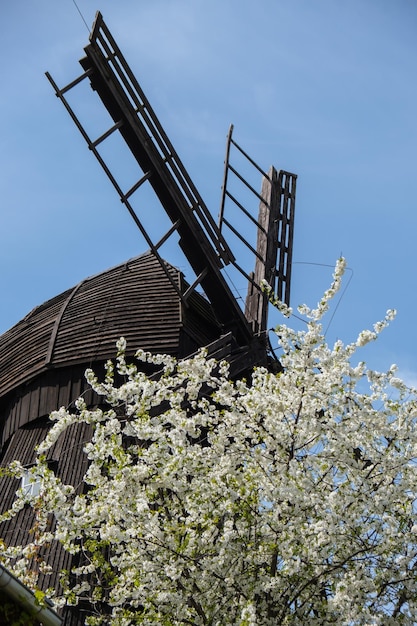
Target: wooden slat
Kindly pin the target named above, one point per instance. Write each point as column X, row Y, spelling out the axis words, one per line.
column 134, row 300
column 65, row 451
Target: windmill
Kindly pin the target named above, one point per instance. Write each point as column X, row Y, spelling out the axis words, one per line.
column 146, row 299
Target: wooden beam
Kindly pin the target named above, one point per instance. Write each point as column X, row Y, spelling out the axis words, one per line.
column 256, row 309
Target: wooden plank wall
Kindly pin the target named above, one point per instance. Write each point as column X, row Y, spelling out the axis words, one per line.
column 70, row 464
column 47, row 393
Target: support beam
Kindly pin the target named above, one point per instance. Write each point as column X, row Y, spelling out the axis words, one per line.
column 256, row 309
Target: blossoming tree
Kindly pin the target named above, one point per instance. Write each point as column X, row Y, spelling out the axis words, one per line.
column 287, row 499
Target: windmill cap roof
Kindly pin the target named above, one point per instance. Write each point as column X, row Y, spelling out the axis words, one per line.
column 135, row 300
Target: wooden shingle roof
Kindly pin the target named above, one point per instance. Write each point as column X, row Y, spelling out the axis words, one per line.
column 135, row 300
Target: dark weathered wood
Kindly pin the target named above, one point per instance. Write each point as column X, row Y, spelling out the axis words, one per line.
column 134, row 300
column 256, row 302
column 274, row 245
column 287, row 189
column 70, row 464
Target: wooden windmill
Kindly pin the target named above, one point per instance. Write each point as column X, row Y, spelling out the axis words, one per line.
column 146, row 299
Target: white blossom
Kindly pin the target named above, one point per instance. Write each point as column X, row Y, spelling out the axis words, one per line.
column 289, row 499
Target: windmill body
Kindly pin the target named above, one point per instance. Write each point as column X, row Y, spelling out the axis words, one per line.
column 147, row 300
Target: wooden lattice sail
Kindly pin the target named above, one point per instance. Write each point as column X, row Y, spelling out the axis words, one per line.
column 200, row 239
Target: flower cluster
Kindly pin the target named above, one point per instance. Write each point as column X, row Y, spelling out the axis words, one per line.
column 290, row 500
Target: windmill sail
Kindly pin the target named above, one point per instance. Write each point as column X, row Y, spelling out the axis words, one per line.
column 200, row 238
column 274, row 228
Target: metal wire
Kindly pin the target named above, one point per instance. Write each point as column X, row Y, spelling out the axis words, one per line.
column 81, row 15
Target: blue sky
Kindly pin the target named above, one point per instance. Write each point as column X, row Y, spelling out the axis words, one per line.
column 325, row 89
